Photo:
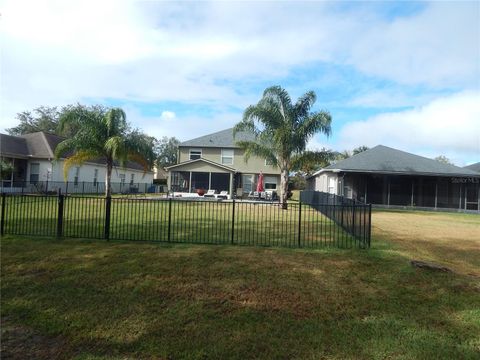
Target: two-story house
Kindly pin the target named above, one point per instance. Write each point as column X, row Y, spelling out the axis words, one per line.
column 215, row 162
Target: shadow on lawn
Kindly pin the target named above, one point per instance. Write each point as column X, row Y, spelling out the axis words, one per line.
column 236, row 302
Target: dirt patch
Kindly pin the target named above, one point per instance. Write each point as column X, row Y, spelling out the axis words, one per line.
column 21, row 342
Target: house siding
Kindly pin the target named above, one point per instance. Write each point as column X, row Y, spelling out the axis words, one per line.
column 253, row 166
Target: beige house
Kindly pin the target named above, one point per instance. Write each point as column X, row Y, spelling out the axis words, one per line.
column 215, row 162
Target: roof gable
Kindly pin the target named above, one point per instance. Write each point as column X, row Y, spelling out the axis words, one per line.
column 383, row 159
column 223, row 139
column 201, row 160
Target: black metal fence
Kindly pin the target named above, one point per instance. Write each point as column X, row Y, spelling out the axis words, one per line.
column 351, row 215
column 79, row 187
column 189, row 221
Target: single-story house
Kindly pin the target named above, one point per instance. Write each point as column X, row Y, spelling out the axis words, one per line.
column 390, row 177
column 216, row 162
column 32, row 157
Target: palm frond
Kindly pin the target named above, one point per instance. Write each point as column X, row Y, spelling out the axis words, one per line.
column 309, row 158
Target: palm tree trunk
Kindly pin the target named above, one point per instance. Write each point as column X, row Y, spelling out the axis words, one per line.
column 108, row 186
column 284, row 188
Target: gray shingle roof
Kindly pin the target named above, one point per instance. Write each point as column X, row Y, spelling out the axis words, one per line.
column 13, row 146
column 474, row 167
column 382, row 159
column 42, row 145
column 223, row 139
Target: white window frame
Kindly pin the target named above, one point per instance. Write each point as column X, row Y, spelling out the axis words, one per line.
column 32, row 173
column 251, row 179
column 268, row 180
column 223, row 157
column 194, row 150
column 132, row 179
column 122, row 178
column 76, row 176
column 95, row 177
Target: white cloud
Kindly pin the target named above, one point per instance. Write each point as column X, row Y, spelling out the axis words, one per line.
column 438, row 46
column 167, row 115
column 56, row 52
column 449, row 126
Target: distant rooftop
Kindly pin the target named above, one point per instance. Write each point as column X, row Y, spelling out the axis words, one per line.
column 222, row 139
column 40, row 145
column 383, row 159
column 474, row 167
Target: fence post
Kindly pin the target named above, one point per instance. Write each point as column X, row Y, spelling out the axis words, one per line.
column 169, row 218
column 369, row 223
column 60, row 214
column 2, row 221
column 108, row 205
column 299, row 222
column 353, row 221
column 233, row 222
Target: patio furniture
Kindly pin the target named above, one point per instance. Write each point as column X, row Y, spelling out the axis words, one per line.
column 222, row 195
column 210, row 193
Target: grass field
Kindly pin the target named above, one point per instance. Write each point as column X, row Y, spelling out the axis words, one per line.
column 89, row 299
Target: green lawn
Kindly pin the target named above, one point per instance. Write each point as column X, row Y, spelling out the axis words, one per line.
column 264, row 224
column 89, row 299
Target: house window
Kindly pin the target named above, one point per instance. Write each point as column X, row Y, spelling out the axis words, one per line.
column 268, row 162
column 132, row 179
column 122, row 178
column 227, row 157
column 95, row 177
column 331, row 185
column 34, row 173
column 77, row 175
column 195, row 154
column 270, row 182
column 247, row 181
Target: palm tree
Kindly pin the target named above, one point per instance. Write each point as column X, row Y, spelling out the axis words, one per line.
column 282, row 130
column 103, row 134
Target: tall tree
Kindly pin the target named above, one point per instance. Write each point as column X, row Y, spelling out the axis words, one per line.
column 46, row 118
column 282, row 130
column 103, row 134
column 166, row 150
column 43, row 118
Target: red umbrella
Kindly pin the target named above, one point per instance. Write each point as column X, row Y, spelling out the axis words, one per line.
column 260, row 182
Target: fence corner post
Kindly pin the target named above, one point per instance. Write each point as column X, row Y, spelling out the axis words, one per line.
column 60, row 214
column 108, row 205
column 2, row 221
column 299, row 223
column 233, row 222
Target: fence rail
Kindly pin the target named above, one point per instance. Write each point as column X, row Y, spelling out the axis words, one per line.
column 79, row 187
column 188, row 221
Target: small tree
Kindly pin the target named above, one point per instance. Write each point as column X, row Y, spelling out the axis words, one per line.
column 444, row 159
column 103, row 134
column 282, row 130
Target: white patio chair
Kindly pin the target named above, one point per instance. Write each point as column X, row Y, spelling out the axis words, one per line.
column 223, row 195
column 210, row 193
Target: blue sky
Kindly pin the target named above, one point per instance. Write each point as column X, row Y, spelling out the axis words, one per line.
column 401, row 74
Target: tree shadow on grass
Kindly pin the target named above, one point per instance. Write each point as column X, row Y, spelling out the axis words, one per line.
column 145, row 301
